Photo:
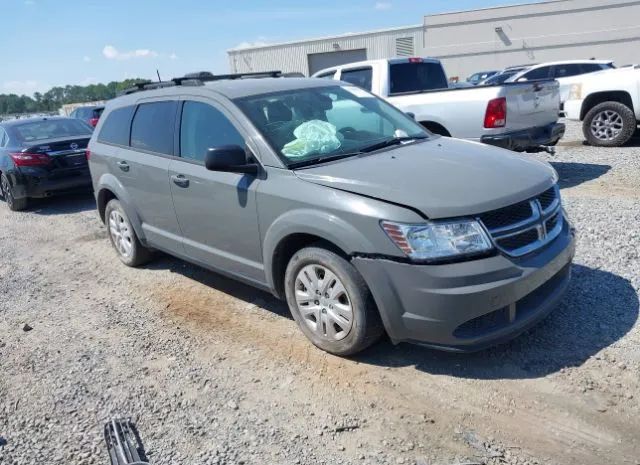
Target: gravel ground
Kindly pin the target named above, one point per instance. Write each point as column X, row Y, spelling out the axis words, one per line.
column 214, row 372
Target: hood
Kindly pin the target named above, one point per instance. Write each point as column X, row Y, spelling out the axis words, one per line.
column 441, row 178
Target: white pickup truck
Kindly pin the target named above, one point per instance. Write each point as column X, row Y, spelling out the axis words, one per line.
column 608, row 104
column 521, row 116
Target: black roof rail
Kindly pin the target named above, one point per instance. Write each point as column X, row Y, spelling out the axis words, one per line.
column 206, row 76
column 200, row 77
column 146, row 85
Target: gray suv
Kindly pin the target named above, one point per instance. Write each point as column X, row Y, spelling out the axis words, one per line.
column 334, row 200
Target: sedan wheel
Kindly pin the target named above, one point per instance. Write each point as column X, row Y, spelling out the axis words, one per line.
column 7, row 192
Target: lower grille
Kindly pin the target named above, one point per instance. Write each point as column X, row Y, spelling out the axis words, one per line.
column 526, row 226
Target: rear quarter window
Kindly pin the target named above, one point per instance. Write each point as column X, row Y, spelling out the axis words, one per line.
column 115, row 129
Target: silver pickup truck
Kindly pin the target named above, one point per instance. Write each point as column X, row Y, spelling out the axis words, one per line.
column 520, row 116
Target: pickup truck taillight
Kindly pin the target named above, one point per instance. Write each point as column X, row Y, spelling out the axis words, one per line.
column 496, row 115
column 94, row 122
column 30, row 159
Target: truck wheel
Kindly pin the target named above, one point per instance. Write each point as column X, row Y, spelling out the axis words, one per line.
column 6, row 190
column 609, row 124
column 331, row 302
column 123, row 237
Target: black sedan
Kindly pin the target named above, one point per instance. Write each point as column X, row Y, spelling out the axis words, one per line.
column 41, row 157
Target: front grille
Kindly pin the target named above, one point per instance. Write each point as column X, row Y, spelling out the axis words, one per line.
column 519, row 240
column 547, row 198
column 508, row 215
column 526, row 226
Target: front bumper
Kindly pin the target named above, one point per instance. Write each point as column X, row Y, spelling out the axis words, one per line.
column 527, row 140
column 36, row 183
column 471, row 305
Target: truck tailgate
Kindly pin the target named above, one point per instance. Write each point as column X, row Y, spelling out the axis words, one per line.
column 532, row 104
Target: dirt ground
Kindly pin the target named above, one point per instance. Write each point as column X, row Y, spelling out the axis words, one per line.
column 214, row 371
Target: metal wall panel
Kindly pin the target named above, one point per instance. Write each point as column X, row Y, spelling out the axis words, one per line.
column 294, row 57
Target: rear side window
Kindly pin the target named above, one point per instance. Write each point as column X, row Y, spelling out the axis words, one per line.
column 416, row 77
column 204, row 127
column 115, row 129
column 571, row 69
column 358, row 77
column 538, row 73
column 153, row 127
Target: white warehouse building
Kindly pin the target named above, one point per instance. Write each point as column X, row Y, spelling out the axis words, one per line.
column 471, row 41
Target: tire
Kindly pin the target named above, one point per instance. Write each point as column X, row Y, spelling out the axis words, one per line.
column 609, row 124
column 123, row 237
column 321, row 317
column 14, row 204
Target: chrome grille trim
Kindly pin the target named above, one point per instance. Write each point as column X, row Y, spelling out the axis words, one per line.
column 540, row 221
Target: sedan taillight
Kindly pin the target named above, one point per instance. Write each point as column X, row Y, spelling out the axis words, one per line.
column 30, row 159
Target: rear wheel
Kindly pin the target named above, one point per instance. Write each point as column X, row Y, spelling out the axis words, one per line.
column 331, row 302
column 609, row 124
column 7, row 193
column 123, row 237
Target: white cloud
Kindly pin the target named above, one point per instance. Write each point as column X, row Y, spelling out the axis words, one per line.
column 261, row 41
column 112, row 53
column 86, row 59
column 173, row 56
column 382, row 5
column 21, row 87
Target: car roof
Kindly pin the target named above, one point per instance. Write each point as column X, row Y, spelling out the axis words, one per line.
column 229, row 88
column 357, row 64
column 571, row 62
column 21, row 121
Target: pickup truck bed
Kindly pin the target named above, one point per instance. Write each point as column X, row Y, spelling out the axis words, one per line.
column 519, row 116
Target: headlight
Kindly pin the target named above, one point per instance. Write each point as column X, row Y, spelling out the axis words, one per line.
column 438, row 240
column 576, row 92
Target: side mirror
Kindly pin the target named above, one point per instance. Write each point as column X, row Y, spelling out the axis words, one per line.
column 229, row 158
column 411, row 115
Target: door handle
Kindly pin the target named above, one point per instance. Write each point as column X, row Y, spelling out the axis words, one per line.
column 123, row 165
column 180, row 180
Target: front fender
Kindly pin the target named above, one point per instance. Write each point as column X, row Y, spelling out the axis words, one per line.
column 108, row 182
column 313, row 222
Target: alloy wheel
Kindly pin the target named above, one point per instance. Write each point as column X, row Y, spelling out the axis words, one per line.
column 323, row 302
column 6, row 191
column 607, row 125
column 121, row 234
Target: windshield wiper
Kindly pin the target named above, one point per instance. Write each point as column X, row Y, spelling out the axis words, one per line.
column 321, row 159
column 390, row 143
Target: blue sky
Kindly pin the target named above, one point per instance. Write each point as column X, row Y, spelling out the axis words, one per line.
column 58, row 42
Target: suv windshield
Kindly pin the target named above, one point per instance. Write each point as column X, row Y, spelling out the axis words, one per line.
column 316, row 124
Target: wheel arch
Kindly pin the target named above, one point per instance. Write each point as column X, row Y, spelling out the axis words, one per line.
column 436, row 128
column 597, row 98
column 298, row 229
column 110, row 188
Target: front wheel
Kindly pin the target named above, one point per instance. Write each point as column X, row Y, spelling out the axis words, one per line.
column 331, row 302
column 609, row 124
column 7, row 193
column 123, row 237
